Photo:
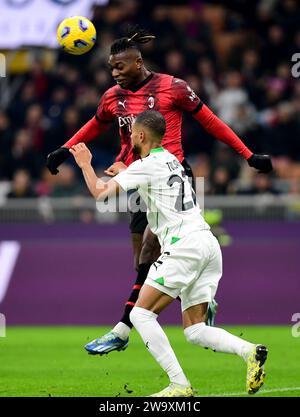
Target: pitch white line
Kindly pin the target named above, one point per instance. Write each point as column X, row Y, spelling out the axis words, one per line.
column 262, row 391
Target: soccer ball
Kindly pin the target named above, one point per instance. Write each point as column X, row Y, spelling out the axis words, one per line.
column 76, row 35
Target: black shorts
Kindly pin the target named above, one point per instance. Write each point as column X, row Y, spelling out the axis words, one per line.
column 138, row 220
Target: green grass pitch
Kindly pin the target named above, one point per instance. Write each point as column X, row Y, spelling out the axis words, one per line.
column 51, row 361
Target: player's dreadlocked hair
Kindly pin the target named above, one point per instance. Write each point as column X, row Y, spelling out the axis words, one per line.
column 134, row 37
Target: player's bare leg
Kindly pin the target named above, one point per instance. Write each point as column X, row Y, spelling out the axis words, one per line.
column 137, row 242
column 220, row 340
column 150, row 250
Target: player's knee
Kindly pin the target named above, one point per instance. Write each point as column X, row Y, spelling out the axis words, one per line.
column 190, row 338
column 134, row 316
column 138, row 316
column 193, row 333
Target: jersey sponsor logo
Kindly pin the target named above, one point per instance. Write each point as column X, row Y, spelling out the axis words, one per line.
column 126, row 121
column 151, row 102
column 122, row 103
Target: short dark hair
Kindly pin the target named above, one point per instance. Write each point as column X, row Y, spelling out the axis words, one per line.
column 154, row 121
column 134, row 37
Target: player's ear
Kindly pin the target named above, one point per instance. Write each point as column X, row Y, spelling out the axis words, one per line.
column 142, row 136
column 139, row 62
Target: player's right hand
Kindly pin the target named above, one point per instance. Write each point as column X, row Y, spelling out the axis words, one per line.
column 56, row 158
column 82, row 155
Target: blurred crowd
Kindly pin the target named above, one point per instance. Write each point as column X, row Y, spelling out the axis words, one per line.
column 236, row 55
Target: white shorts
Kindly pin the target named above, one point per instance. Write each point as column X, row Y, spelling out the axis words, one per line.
column 190, row 268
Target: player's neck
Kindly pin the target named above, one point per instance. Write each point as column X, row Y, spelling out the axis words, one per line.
column 144, row 74
column 149, row 148
column 141, row 80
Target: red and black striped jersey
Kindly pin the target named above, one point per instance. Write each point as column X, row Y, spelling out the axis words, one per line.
column 162, row 92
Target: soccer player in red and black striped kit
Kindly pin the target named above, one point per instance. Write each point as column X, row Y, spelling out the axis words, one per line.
column 138, row 89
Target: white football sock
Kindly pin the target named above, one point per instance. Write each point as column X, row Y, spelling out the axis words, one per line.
column 122, row 330
column 157, row 343
column 217, row 339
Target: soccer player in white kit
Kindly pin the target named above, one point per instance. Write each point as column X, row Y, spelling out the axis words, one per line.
column 190, row 264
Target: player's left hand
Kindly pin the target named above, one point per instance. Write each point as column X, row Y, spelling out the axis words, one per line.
column 115, row 168
column 56, row 158
column 262, row 163
column 81, row 154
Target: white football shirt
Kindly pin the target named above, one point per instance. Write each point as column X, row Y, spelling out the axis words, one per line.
column 160, row 180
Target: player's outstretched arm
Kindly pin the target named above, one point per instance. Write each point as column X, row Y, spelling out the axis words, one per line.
column 88, row 132
column 218, row 129
column 98, row 188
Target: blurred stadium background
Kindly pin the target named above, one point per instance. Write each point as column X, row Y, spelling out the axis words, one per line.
column 63, row 262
